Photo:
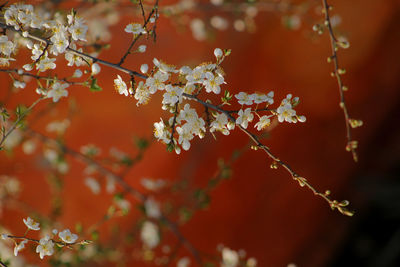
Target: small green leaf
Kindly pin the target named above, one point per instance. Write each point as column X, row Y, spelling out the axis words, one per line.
column 127, row 161
column 141, row 143
column 94, row 87
column 118, row 196
column 185, row 214
column 95, row 235
column 170, row 147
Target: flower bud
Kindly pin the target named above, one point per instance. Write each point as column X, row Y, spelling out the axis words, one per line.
column 218, row 52
column 144, row 68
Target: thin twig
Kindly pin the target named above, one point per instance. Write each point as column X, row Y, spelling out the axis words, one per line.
column 54, row 241
column 143, row 13
column 47, row 78
column 128, row 188
column 173, row 123
column 351, row 144
column 146, row 21
column 302, row 181
column 76, row 52
column 19, row 119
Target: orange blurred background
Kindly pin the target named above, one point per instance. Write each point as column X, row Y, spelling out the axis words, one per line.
column 260, row 210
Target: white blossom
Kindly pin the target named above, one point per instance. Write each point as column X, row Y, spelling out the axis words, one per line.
column 45, row 247
column 60, row 42
column 163, row 67
column 220, row 124
column 93, row 185
column 157, row 81
column 244, row 98
column 197, row 75
column 46, row 63
column 67, row 237
column 161, row 132
column 95, row 69
column 149, row 234
column 198, row 28
column 74, row 59
column 185, row 135
column 120, row 86
column 251, row 262
column 27, row 67
column 263, row 122
column 286, row 113
column 245, row 117
column 123, row 204
column 78, row 30
column 77, row 73
column 110, row 184
column 18, row 84
column 218, row 52
column 261, row 98
column 142, row 94
column 230, row 258
column 58, row 127
column 219, row 23
column 212, row 83
column 135, row 28
column 31, row 224
column 172, row 95
column 152, row 185
column 183, row 262
column 57, row 91
column 144, row 68
column 152, row 208
column 6, row 46
column 142, row 48
column 187, row 113
column 19, row 247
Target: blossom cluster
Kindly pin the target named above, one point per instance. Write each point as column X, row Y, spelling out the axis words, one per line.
column 64, row 33
column 46, row 244
column 186, row 123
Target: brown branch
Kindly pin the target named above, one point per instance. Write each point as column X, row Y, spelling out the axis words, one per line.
column 76, row 52
column 146, row 21
column 302, row 181
column 47, row 78
column 82, row 242
column 143, row 13
column 256, row 110
column 173, row 123
column 19, row 119
column 334, row 204
column 128, row 188
column 351, row 144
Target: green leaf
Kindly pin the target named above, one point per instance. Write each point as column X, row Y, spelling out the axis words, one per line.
column 127, row 161
column 141, row 143
column 185, row 214
column 118, row 196
column 94, row 87
column 95, row 235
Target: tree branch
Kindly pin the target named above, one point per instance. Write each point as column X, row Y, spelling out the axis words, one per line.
column 351, row 144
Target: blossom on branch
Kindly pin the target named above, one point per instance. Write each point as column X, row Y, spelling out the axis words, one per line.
column 45, row 247
column 120, row 86
column 31, row 224
column 67, row 237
